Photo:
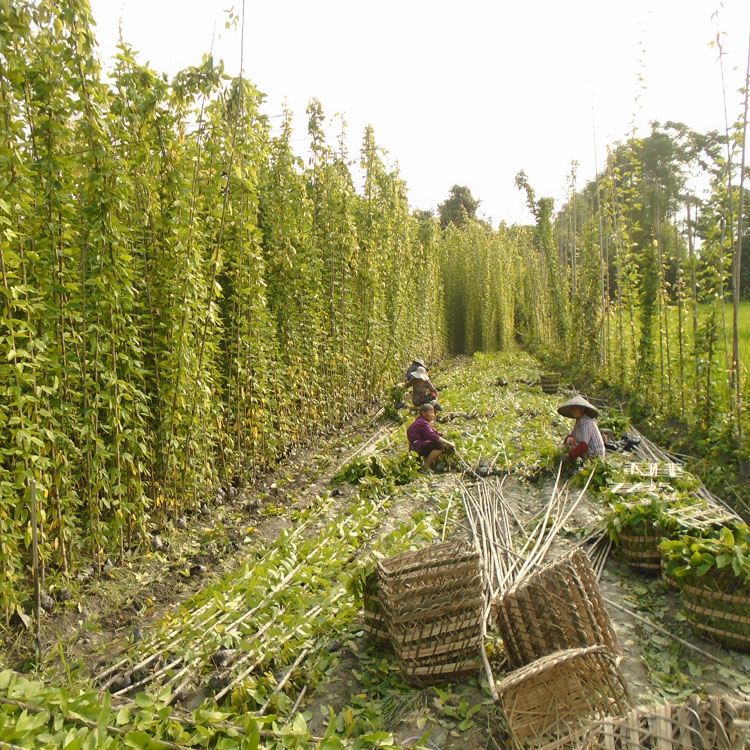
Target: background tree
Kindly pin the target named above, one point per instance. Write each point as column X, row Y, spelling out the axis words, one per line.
column 459, row 207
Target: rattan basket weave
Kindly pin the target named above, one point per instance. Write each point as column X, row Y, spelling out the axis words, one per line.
column 375, row 625
column 549, row 702
column 714, row 724
column 653, row 469
column 668, row 579
column 558, row 607
column 433, row 602
column 641, row 552
column 717, row 616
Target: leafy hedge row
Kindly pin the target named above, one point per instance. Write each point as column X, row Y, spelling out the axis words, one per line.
column 183, row 299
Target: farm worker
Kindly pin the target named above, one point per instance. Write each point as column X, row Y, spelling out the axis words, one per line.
column 585, row 438
column 422, row 389
column 415, row 365
column 424, row 439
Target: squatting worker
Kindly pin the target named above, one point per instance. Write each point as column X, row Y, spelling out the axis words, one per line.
column 584, row 439
column 424, row 439
column 417, row 363
column 422, row 389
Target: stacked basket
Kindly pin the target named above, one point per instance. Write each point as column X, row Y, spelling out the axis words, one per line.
column 718, row 616
column 433, row 600
column 550, row 382
column 641, row 551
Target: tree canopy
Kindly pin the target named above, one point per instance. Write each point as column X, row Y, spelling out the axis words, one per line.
column 458, row 207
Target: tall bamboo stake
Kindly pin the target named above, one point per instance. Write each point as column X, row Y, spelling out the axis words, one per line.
column 680, row 325
column 737, row 265
column 730, row 198
column 35, row 571
column 694, row 287
column 603, row 331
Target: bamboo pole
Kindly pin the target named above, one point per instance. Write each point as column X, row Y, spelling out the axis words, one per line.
column 177, row 633
column 664, row 631
column 296, row 705
column 737, row 265
column 35, row 571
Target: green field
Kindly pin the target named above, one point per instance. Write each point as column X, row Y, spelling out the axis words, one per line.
column 745, row 333
column 677, row 370
column 726, row 314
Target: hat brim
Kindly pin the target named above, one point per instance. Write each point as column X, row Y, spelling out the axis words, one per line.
column 566, row 410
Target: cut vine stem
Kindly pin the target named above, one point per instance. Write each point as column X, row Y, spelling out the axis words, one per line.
column 283, row 681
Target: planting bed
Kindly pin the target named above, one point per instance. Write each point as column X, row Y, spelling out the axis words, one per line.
column 246, row 629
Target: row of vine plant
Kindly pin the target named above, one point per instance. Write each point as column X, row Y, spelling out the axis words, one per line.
column 184, row 299
column 639, row 272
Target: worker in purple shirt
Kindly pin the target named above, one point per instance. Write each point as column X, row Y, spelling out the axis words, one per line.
column 424, row 439
column 584, row 439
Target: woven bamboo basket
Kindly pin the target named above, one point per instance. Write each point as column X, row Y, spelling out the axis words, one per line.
column 641, row 551
column 668, row 579
column 713, row 724
column 375, row 625
column 433, row 602
column 557, row 607
column 549, row 702
column 550, row 382
column 718, row 616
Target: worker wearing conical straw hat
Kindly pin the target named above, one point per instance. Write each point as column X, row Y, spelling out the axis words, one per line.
column 584, row 440
column 416, row 363
column 422, row 389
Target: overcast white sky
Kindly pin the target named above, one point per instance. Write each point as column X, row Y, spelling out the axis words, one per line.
column 464, row 92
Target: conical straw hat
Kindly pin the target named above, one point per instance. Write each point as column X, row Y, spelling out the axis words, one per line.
column 567, row 408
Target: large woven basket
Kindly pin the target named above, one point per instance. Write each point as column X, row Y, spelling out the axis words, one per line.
column 668, row 579
column 433, row 601
column 550, row 382
column 713, row 724
column 641, row 550
column 558, row 607
column 549, row 702
column 375, row 625
column 718, row 616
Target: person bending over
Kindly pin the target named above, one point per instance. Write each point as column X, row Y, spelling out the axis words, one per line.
column 585, row 439
column 424, row 439
column 415, row 365
column 422, row 389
